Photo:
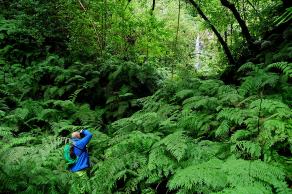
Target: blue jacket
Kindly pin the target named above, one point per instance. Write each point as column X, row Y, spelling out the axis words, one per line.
column 81, row 152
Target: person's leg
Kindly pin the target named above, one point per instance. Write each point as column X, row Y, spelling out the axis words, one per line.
column 81, row 185
column 82, row 174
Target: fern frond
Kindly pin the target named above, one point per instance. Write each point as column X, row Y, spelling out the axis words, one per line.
column 176, row 144
column 240, row 135
column 168, row 111
column 257, row 81
column 78, row 79
column 235, row 115
column 228, row 94
column 4, row 93
column 210, row 87
column 48, row 115
column 253, row 188
column 21, row 113
column 205, row 150
column 19, row 141
column 195, row 123
column 245, row 173
column 285, row 67
column 146, row 122
column 205, row 176
column 274, row 125
column 223, row 129
column 66, row 105
column 159, row 164
column 285, row 17
column 5, row 132
column 64, row 125
column 182, row 94
column 248, row 66
column 135, row 140
column 248, row 148
column 51, row 92
column 271, row 107
column 196, row 102
column 3, row 105
column 87, row 116
column 274, row 131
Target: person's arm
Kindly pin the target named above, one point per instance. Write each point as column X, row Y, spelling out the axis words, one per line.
column 84, row 141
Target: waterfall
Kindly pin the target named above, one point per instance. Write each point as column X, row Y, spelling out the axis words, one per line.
column 198, row 51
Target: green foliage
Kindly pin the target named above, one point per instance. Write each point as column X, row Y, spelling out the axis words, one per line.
column 105, row 66
column 164, row 144
column 285, row 17
column 214, row 175
column 283, row 66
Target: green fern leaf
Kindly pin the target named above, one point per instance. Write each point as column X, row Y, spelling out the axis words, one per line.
column 176, row 144
column 205, row 176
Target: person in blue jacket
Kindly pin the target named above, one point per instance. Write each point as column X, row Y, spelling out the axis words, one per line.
column 80, row 140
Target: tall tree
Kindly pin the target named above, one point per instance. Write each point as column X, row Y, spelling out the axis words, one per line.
column 218, row 35
column 245, row 32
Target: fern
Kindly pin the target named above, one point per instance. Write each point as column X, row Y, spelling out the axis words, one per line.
column 63, row 125
column 223, row 129
column 203, row 177
column 146, row 122
column 176, row 144
column 240, row 135
column 55, row 92
column 48, row 115
column 38, row 161
column 6, row 132
column 257, row 80
column 195, row 123
column 249, row 66
column 3, row 106
column 197, row 102
column 124, row 158
column 77, row 79
column 159, row 165
column 184, row 94
column 66, row 105
column 274, row 131
column 210, row 87
column 253, row 188
column 87, row 116
column 135, row 140
column 243, row 172
column 285, row 17
column 240, row 175
column 269, row 107
column 234, row 115
column 246, row 149
column 228, row 95
column 283, row 66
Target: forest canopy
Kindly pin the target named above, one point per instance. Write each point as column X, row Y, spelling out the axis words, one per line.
column 181, row 96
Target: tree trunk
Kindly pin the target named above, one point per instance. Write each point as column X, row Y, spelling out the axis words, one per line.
column 153, row 5
column 241, row 22
column 220, row 39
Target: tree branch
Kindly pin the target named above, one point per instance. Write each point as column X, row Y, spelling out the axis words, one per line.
column 220, row 39
column 153, row 5
column 241, row 22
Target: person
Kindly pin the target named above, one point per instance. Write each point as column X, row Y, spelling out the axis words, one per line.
column 80, row 140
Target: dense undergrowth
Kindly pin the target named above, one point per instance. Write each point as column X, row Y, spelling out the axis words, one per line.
column 155, row 129
column 191, row 135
